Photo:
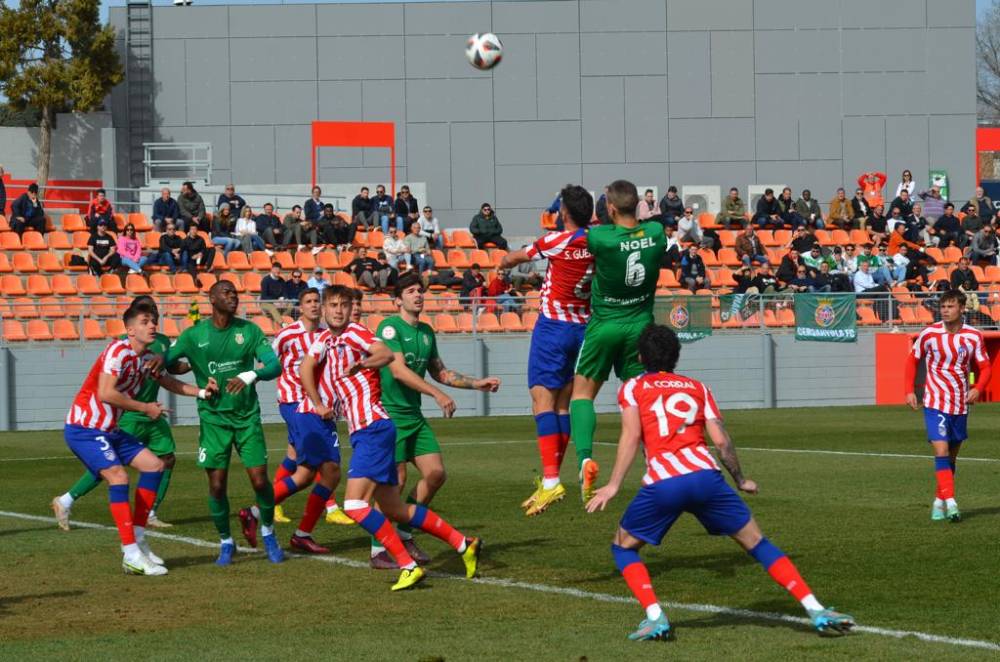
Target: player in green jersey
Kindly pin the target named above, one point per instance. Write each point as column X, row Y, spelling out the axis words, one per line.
column 154, row 435
column 227, row 348
column 627, row 257
column 415, row 348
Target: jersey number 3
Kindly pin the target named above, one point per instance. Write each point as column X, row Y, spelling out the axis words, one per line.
column 678, row 405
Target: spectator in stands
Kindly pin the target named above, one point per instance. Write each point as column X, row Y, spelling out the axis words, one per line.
column 431, row 229
column 972, row 223
column 169, row 253
column 749, row 248
column 688, row 230
column 269, row 228
column 129, row 250
column 486, row 228
column 899, row 263
column 385, row 274
column 407, row 209
column 296, row 229
column 246, row 232
column 385, row 209
column 826, row 281
column 165, row 210
column 872, row 183
column 224, row 230
column 983, row 247
column 789, row 215
column 876, row 224
column 916, row 227
column 3, row 194
column 877, row 261
column 864, row 283
column 768, row 214
column 273, row 290
column 897, row 238
column 472, row 281
column 395, row 249
column 790, row 263
column 27, row 212
column 192, row 208
column 803, row 239
column 906, row 184
column 860, row 209
column 807, row 207
column 363, row 269
column 228, row 197
column 764, row 282
column 312, row 209
column 981, row 205
column 528, row 275
column 815, row 257
column 933, row 203
column 444, row 277
column 963, row 277
column 318, row 280
column 333, row 229
column 917, row 277
column 647, row 207
column 672, row 252
column 195, row 252
column 803, row 282
column 419, row 250
column 947, row 228
column 363, row 210
column 904, row 202
column 295, row 285
column 693, row 274
column 733, row 211
column 850, row 260
column 840, row 211
column 500, row 289
column 100, row 209
column 102, row 253
column 671, row 207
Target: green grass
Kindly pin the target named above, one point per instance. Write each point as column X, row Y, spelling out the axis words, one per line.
column 857, row 527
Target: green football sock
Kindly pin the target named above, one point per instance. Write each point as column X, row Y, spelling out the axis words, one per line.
column 219, row 508
column 162, row 491
column 582, row 422
column 86, row 484
column 265, row 504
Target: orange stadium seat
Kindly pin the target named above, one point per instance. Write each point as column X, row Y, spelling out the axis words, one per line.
column 24, row 308
column 9, row 241
column 329, row 260
column 114, row 328
column 840, row 237
column 727, row 238
column 34, row 241
column 80, row 240
column 867, row 317
column 529, row 320
column 708, row 257
column 260, row 261
column 39, row 330
column 161, row 284
column 5, row 267
column 50, row 263
column 445, row 323
column 235, row 280
column 139, row 220
column 65, row 330
column 73, row 307
column 305, row 261
column 13, row 331
column 25, row 263
column 462, row 239
column 667, row 278
column 511, row 322
column 375, row 239
column 136, row 284
column 766, row 238
column 238, row 261
column 265, row 324
column 860, row 237
column 284, row 258
column 150, row 240
column 73, row 223
column 67, row 266
column 480, row 257
column 728, row 257
column 457, row 259
column 51, row 308
column 825, row 237
column 206, row 280
column 952, row 254
column 219, row 261
column 343, row 278
column 63, row 285
column 102, row 307
column 111, row 284
column 372, row 321
column 11, row 286
column 4, row 224
column 184, row 283
column 464, row 322
column 450, row 302
column 782, row 237
column 92, row 330
column 38, row 286
column 119, row 220
column 496, row 257
column 170, row 328
column 488, row 323
column 251, row 281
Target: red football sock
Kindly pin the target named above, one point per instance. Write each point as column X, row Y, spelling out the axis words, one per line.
column 563, row 443
column 283, row 489
column 376, row 524
column 785, row 573
column 427, row 520
column 314, row 508
column 548, row 448
column 122, row 515
column 945, row 478
column 144, row 500
column 637, row 578
column 281, row 473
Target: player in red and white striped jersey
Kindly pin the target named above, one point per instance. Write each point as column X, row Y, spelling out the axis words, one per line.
column 347, row 357
column 557, row 336
column 948, row 350
column 667, row 415
column 120, row 360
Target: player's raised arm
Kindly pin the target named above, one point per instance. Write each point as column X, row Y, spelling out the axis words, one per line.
column 727, row 453
column 379, row 355
column 108, row 394
column 455, row 379
column 515, row 258
column 628, row 447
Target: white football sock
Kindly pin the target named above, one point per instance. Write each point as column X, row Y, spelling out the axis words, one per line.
column 950, row 503
column 654, row 611
column 66, row 501
column 549, row 483
column 811, row 603
column 131, row 551
column 332, row 509
column 255, row 511
column 140, row 533
column 299, row 533
column 377, row 548
column 266, row 530
column 227, row 541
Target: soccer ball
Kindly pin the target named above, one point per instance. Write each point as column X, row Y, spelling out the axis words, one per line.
column 484, row 50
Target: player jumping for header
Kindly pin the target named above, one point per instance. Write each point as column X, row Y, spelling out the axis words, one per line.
column 948, row 349
column 227, row 348
column 416, row 353
column 92, row 433
column 349, row 357
column 627, row 257
column 667, row 414
column 557, row 336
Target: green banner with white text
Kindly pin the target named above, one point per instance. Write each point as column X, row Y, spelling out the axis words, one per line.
column 689, row 316
column 827, row 318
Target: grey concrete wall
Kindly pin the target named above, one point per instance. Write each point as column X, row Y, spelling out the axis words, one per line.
column 726, row 92
column 76, row 148
column 46, row 378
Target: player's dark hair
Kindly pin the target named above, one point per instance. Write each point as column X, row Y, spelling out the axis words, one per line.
column 145, row 299
column 338, row 292
column 958, row 296
column 659, row 348
column 218, row 285
column 357, row 295
column 579, row 204
column 308, row 290
column 405, row 282
column 623, row 195
column 136, row 309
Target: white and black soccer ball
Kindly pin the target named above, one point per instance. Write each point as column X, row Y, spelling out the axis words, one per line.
column 484, row 51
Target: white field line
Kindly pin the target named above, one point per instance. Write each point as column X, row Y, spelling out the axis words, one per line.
column 560, row 590
column 805, row 451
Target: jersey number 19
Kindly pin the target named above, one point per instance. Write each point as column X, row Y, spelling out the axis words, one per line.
column 679, row 405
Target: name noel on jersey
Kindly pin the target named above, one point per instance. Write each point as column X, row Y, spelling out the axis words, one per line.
column 636, row 244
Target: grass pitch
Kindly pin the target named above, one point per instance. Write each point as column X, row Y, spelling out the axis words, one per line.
column 857, row 526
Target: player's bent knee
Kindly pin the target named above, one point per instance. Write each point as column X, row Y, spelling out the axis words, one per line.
column 169, row 460
column 436, row 478
column 115, row 475
column 626, row 540
column 749, row 536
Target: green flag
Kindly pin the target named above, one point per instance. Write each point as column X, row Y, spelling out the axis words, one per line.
column 738, row 307
column 689, row 316
column 826, row 317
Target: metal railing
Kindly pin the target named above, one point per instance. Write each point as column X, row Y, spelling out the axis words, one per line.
column 191, row 161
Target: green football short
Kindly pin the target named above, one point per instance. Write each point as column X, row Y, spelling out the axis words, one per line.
column 611, row 344
column 414, row 437
column 155, row 435
column 216, row 442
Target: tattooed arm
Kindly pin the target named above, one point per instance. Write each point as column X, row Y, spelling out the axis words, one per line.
column 456, row 379
column 727, row 453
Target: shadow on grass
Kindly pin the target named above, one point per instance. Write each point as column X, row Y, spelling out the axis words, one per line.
column 980, row 512
column 706, row 621
column 7, row 602
column 723, row 564
column 27, row 529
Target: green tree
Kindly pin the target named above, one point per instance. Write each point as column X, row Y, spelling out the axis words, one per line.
column 56, row 56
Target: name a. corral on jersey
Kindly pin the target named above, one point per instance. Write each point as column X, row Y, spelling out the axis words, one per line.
column 636, row 244
column 668, row 383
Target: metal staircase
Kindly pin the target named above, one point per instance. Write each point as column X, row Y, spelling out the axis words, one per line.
column 139, row 85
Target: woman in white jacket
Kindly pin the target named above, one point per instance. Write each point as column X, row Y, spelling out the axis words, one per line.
column 906, row 184
column 246, row 232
